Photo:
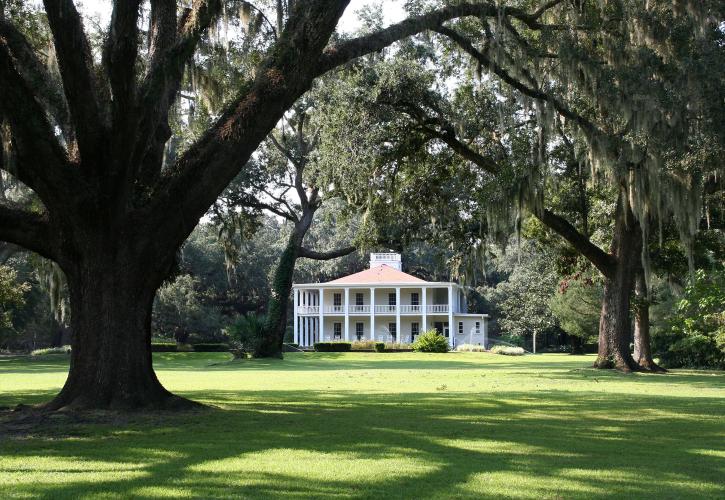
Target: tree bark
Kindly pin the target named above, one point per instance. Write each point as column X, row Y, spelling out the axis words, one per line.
column 642, row 341
column 614, row 323
column 111, row 366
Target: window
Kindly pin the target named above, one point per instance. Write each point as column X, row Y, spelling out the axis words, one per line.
column 359, row 299
column 414, row 299
column 393, row 329
column 359, row 331
column 337, row 331
column 391, row 299
column 478, row 327
column 460, row 328
column 337, row 299
column 414, row 330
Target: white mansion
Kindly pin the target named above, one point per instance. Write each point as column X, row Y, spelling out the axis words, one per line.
column 383, row 304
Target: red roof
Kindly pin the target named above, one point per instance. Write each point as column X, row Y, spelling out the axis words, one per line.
column 380, row 274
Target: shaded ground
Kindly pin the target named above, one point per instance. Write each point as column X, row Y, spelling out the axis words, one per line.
column 460, row 425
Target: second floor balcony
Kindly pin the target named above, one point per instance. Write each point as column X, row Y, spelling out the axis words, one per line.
column 382, row 310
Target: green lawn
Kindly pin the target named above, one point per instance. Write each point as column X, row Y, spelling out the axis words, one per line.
column 364, row 425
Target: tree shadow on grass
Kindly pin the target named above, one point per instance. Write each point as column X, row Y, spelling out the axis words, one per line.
column 339, row 444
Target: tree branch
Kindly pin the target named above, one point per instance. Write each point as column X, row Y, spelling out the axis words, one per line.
column 345, row 51
column 171, row 49
column 26, row 229
column 204, row 170
column 465, row 44
column 36, row 76
column 601, row 259
column 119, row 58
column 76, row 68
column 332, row 254
column 41, row 162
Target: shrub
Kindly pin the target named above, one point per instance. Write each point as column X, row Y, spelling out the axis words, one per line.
column 696, row 334
column 363, row 345
column 507, row 350
column 164, row 347
column 207, row 347
column 333, row 346
column 470, row 348
column 51, row 350
column 397, row 346
column 248, row 332
column 430, row 341
column 379, row 346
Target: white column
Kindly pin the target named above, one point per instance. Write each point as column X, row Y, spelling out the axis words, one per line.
column 295, row 296
column 451, row 331
column 322, row 318
column 372, row 314
column 347, row 314
column 484, row 325
column 425, row 310
column 397, row 315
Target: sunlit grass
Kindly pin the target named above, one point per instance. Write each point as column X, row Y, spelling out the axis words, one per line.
column 368, row 425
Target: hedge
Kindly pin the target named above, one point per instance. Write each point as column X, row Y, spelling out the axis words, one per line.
column 218, row 347
column 333, row 346
column 163, row 347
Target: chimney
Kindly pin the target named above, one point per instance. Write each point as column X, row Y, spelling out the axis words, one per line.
column 389, row 259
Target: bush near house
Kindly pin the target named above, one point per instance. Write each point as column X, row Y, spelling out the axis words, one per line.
column 379, row 346
column 507, row 350
column 363, row 345
column 430, row 341
column 333, row 346
column 470, row 348
column 211, row 347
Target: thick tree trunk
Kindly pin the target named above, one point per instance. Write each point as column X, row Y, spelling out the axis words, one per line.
column 271, row 346
column 614, row 324
column 642, row 342
column 111, row 365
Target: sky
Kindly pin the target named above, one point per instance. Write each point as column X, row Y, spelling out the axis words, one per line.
column 392, row 11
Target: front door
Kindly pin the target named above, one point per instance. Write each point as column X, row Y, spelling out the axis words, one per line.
column 441, row 327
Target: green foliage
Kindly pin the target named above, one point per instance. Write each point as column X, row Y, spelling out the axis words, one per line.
column 379, row 346
column 248, row 332
column 66, row 349
column 507, row 350
column 521, row 299
column 577, row 307
column 430, row 341
column 333, row 346
column 164, row 347
column 209, row 347
column 696, row 337
column 12, row 296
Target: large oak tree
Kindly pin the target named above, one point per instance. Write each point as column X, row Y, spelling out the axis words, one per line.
column 113, row 215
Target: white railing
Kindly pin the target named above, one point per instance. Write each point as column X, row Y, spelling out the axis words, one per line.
column 308, row 309
column 334, row 310
column 379, row 309
column 405, row 309
column 386, row 257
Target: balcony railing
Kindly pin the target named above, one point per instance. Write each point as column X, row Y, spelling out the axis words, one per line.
column 308, row 309
column 379, row 309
